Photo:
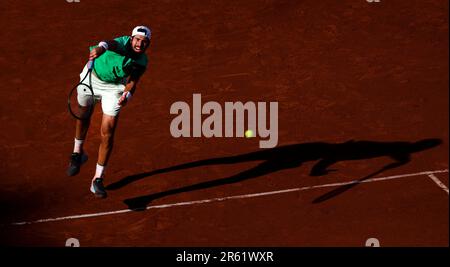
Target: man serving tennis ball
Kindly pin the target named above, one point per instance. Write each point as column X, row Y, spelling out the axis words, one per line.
column 118, row 65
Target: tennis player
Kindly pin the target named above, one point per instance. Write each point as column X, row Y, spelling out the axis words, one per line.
column 118, row 65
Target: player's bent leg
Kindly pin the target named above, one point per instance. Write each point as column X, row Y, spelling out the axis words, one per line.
column 78, row 157
column 81, row 128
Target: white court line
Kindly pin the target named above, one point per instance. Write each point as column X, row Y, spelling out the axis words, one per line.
column 438, row 182
column 230, row 197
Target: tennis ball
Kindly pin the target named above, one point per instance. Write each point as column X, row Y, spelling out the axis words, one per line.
column 249, row 133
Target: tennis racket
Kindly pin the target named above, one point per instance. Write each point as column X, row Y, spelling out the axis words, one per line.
column 81, row 98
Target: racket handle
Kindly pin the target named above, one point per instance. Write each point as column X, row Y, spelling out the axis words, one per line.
column 90, row 64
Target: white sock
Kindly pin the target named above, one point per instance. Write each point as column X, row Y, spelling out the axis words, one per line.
column 99, row 171
column 78, row 147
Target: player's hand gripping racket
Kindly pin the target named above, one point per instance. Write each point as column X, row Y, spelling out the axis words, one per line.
column 81, row 98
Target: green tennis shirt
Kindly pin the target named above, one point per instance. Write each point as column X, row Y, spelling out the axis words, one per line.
column 115, row 66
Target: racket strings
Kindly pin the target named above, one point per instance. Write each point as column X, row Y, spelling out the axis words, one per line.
column 82, row 100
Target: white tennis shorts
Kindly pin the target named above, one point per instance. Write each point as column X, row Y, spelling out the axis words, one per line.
column 107, row 93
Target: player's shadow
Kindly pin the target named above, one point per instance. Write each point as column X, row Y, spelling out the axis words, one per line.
column 286, row 157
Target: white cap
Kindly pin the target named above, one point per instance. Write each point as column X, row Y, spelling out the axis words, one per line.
column 143, row 31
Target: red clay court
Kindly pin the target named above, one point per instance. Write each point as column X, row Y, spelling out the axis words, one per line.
column 362, row 151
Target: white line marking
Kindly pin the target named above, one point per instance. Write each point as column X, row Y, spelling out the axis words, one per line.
column 438, row 182
column 231, row 197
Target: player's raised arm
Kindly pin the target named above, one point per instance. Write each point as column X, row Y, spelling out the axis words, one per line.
column 102, row 47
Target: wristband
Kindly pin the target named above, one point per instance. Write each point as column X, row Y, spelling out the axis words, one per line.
column 103, row 44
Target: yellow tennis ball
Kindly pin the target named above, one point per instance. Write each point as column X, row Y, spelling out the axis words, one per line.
column 249, row 133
